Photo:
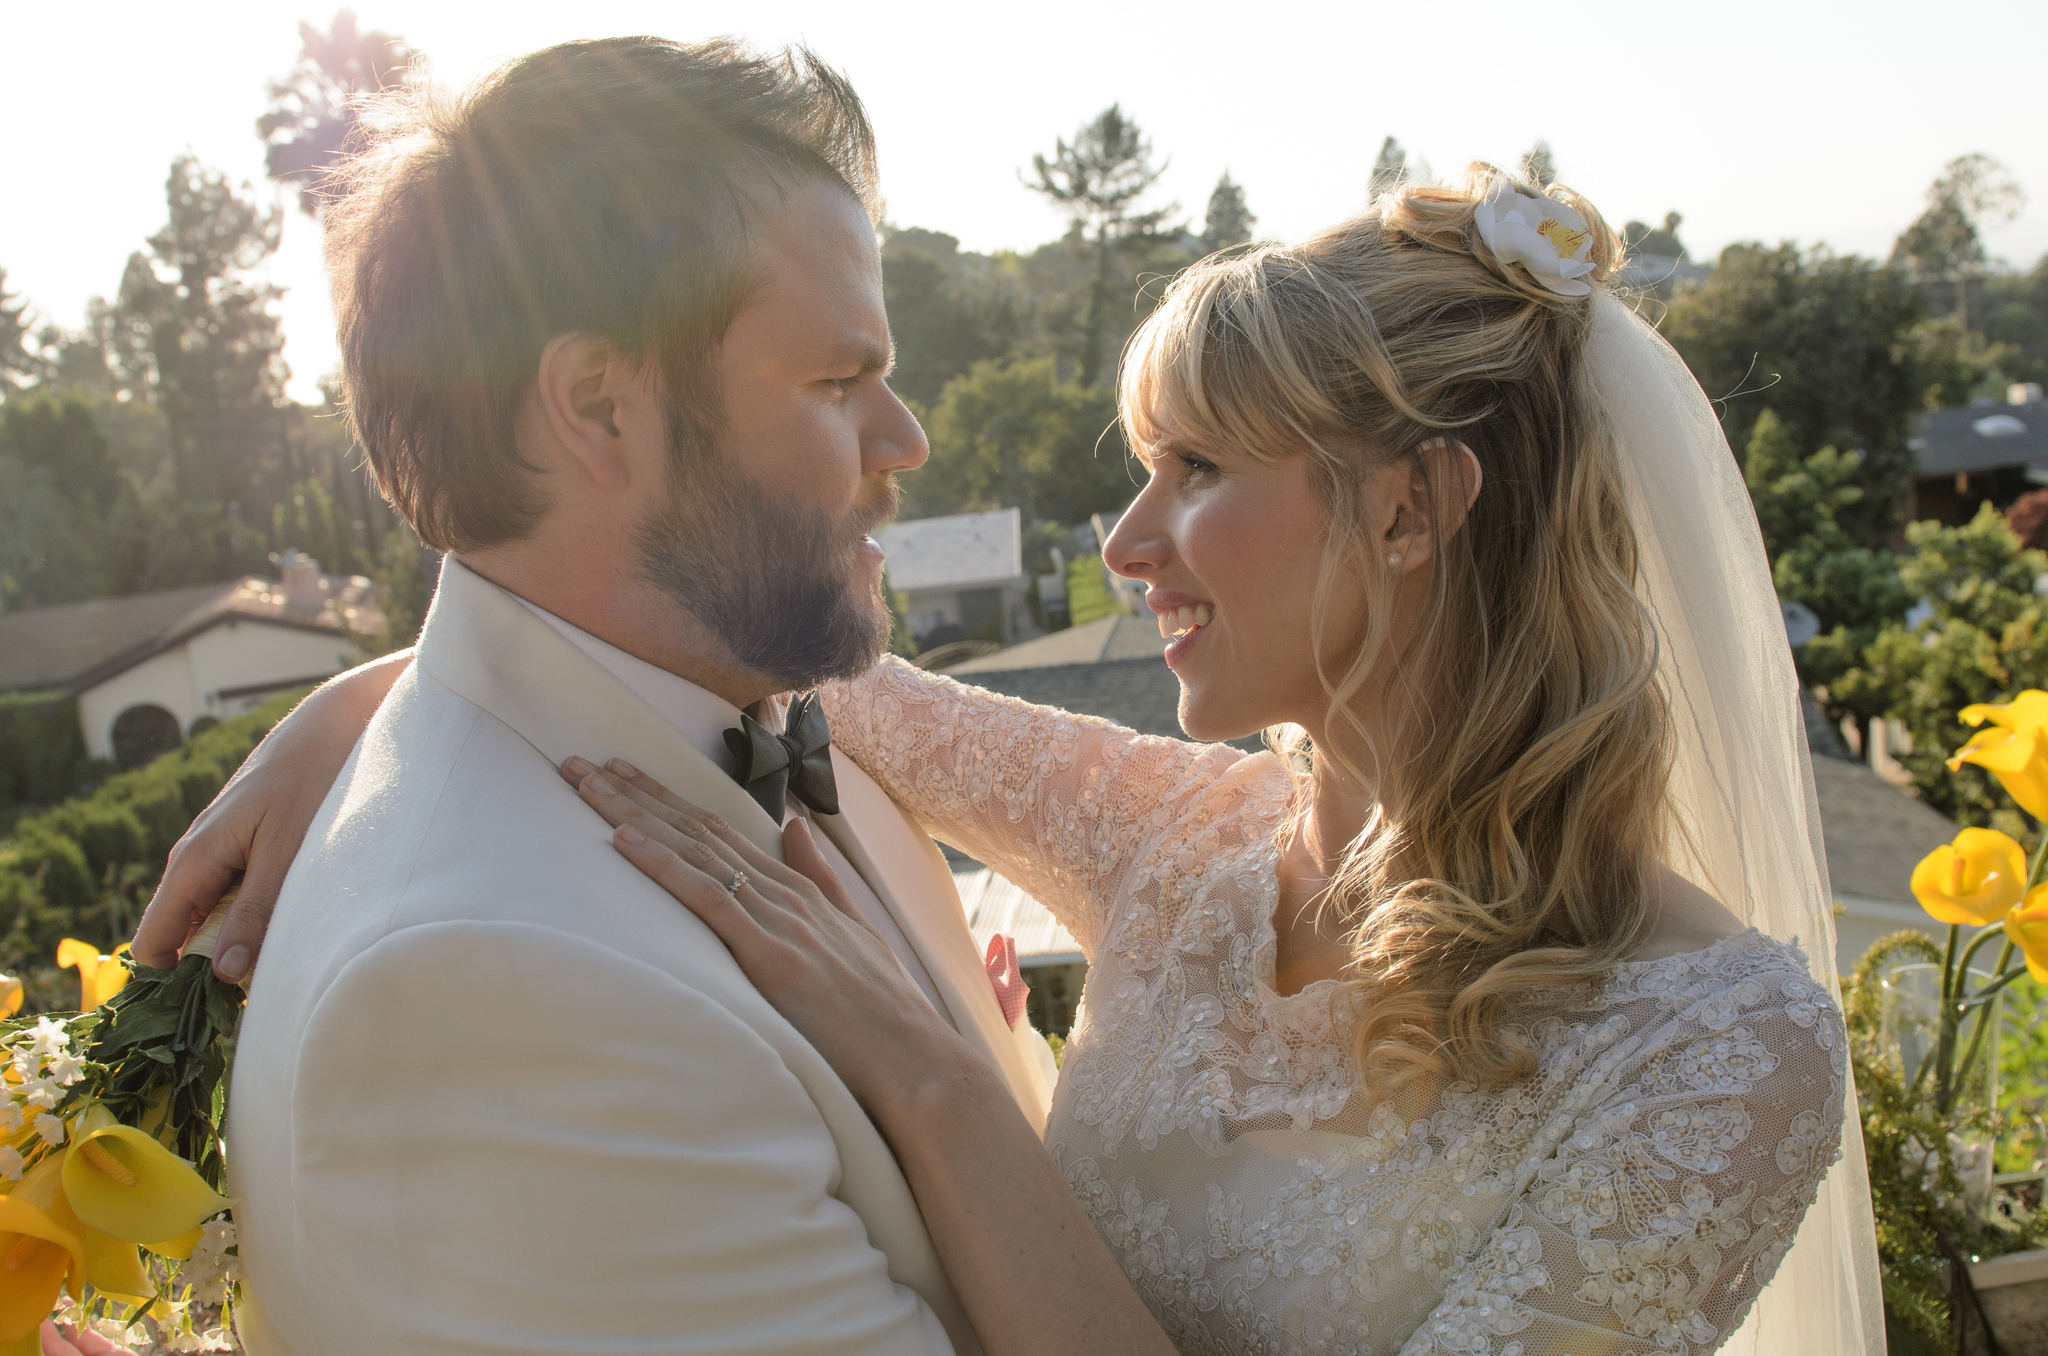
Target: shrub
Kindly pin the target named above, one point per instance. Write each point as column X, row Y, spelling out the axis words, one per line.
column 42, row 752
column 85, row 868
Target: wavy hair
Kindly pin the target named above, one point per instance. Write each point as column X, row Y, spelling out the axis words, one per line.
column 1518, row 849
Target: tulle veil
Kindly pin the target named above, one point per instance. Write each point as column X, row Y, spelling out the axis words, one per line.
column 1748, row 825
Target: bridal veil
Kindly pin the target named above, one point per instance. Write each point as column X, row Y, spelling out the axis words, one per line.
column 1747, row 825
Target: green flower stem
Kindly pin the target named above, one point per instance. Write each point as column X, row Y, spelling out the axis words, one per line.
column 1945, row 1040
column 1982, row 1003
column 1969, row 953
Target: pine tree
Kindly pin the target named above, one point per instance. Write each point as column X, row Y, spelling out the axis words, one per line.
column 1228, row 221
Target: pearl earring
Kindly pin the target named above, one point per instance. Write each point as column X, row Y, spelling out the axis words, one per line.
column 1394, row 559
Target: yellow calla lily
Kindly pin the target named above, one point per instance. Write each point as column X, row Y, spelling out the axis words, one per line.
column 29, row 1344
column 2018, row 757
column 1972, row 881
column 2029, row 708
column 2027, row 926
column 124, row 1183
column 100, row 976
column 39, row 1259
column 111, row 1264
column 180, row 1247
column 10, row 995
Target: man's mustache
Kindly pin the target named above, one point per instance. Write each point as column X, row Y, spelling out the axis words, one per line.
column 888, row 498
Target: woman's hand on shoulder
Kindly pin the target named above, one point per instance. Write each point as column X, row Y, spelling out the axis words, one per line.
column 796, row 934
column 251, row 832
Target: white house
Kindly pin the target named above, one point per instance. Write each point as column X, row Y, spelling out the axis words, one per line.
column 961, row 576
column 148, row 670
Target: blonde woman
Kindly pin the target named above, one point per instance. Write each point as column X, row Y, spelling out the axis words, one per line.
column 1492, row 1012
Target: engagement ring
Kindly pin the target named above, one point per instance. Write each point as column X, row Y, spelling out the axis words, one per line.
column 739, row 878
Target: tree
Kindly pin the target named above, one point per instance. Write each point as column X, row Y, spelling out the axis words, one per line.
column 63, row 503
column 1099, row 180
column 1389, row 168
column 1943, row 250
column 1661, row 241
column 2014, row 313
column 1853, row 590
column 1986, row 637
column 18, row 366
column 1009, row 434
column 1539, row 166
column 1229, row 220
column 1839, row 344
column 311, row 522
column 947, row 310
column 314, row 110
column 193, row 332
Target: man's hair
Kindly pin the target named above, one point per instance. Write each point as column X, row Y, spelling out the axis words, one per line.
column 599, row 187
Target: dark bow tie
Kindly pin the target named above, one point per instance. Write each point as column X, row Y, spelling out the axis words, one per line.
column 797, row 762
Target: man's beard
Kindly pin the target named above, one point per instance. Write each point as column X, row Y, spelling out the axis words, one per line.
column 773, row 581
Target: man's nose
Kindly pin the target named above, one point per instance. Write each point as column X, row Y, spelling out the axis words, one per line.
column 895, row 441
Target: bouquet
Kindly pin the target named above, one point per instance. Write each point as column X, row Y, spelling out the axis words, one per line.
column 111, row 1159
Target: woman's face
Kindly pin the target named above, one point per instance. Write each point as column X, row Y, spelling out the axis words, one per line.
column 1231, row 546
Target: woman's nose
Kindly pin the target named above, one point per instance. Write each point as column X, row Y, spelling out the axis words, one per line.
column 1136, row 547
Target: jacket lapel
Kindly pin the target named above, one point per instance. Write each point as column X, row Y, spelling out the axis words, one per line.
column 484, row 645
column 905, row 869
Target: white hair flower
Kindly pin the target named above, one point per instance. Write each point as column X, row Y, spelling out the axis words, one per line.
column 1546, row 237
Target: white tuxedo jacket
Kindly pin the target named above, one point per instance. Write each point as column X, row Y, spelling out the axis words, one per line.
column 496, row 1092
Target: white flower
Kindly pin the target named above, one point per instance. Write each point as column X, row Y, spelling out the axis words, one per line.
column 40, row 1092
column 50, row 1128
column 212, row 1272
column 1545, row 237
column 10, row 1116
column 10, row 1162
column 50, row 1036
column 64, row 1069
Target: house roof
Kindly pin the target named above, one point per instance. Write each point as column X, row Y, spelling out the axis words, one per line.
column 960, row 551
column 1106, row 639
column 994, row 904
column 82, row 644
column 1981, row 437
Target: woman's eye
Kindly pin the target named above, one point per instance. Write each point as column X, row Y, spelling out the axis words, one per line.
column 1196, row 466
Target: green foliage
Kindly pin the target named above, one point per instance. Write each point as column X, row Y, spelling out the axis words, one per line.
column 313, row 110
column 310, row 521
column 1088, row 597
column 1984, row 641
column 1011, row 434
column 2014, row 311
column 85, row 867
column 406, row 574
column 60, row 495
column 1836, row 343
column 1916, row 1193
column 948, row 310
column 1661, row 241
column 1799, row 500
column 1943, row 250
column 1229, row 220
column 42, row 752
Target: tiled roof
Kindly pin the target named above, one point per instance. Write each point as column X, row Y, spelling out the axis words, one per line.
column 961, row 551
column 80, row 644
column 1110, row 638
column 1966, row 438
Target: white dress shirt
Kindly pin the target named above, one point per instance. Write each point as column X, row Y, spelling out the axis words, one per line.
column 703, row 718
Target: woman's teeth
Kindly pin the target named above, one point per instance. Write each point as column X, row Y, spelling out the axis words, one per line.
column 1182, row 620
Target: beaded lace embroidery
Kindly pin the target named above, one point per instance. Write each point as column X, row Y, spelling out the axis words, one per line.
column 1633, row 1196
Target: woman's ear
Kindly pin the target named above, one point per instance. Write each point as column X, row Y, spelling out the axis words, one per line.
column 1410, row 530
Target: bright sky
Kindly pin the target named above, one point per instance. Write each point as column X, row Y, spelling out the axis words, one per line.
column 1757, row 120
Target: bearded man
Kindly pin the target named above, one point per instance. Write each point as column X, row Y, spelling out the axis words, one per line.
column 613, row 337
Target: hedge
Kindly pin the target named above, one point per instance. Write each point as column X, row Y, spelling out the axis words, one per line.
column 86, row 867
column 42, row 752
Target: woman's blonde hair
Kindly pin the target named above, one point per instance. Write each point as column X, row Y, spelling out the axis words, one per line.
column 1519, row 849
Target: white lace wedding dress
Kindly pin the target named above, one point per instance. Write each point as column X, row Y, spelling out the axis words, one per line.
column 1633, row 1197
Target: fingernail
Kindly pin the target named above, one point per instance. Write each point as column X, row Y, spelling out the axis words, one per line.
column 623, row 768
column 578, row 767
column 629, row 834
column 233, row 963
column 597, row 783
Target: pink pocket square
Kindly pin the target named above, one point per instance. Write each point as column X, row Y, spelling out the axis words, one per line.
column 1005, row 978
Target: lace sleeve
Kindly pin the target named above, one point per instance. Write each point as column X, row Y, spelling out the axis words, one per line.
column 1674, row 1190
column 1059, row 803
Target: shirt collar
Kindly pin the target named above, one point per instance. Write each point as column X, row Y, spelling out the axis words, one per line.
column 699, row 716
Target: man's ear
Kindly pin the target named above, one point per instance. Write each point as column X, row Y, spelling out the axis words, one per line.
column 1409, row 530
column 578, row 390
